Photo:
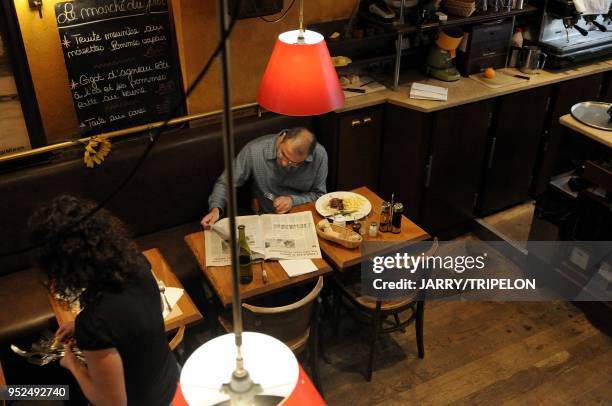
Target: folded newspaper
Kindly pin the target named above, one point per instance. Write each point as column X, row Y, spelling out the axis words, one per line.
column 270, row 236
column 424, row 91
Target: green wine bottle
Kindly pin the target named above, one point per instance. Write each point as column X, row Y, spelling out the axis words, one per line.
column 244, row 257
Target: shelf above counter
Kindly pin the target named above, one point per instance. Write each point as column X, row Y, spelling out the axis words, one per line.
column 362, row 62
column 454, row 21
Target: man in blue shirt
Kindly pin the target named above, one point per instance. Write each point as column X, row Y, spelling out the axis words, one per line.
column 285, row 170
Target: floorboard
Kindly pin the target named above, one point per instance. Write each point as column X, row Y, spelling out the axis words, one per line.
column 476, row 353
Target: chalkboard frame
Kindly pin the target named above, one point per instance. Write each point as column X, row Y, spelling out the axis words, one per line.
column 169, row 54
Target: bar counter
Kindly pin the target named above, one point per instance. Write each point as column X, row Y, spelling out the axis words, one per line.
column 465, row 90
column 601, row 136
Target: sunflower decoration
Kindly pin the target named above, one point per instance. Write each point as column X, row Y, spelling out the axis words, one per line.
column 96, row 149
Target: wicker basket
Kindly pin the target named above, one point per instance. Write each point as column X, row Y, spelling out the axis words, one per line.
column 344, row 235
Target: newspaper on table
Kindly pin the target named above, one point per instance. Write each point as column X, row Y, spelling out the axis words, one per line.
column 270, row 236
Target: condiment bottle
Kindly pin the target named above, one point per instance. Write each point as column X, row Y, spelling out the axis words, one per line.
column 244, row 257
column 373, row 229
column 396, row 222
column 385, row 217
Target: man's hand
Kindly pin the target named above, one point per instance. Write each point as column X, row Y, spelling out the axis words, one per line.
column 282, row 204
column 211, row 218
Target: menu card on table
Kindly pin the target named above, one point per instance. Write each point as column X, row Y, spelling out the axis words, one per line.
column 297, row 267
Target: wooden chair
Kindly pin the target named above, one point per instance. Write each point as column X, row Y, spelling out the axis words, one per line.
column 375, row 313
column 295, row 324
column 177, row 339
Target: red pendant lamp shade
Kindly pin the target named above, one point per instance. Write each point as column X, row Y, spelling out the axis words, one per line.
column 300, row 79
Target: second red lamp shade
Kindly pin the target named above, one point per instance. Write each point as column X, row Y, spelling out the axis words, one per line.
column 300, row 79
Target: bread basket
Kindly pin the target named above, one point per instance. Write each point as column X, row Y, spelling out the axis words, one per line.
column 340, row 235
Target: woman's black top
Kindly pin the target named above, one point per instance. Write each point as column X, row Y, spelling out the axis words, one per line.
column 131, row 321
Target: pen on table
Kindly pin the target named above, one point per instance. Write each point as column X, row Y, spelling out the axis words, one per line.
column 367, row 83
column 351, row 89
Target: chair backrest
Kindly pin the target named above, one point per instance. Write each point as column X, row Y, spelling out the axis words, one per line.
column 421, row 294
column 433, row 249
column 285, row 323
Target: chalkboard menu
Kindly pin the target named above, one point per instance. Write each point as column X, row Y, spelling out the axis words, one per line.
column 121, row 65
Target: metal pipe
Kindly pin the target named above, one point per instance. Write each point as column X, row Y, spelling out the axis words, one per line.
column 398, row 50
column 398, row 59
column 300, row 38
column 301, row 15
column 228, row 154
column 117, row 133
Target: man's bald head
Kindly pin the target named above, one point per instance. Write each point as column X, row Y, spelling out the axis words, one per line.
column 301, row 141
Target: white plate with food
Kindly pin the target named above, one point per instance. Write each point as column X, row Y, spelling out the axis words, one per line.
column 343, row 206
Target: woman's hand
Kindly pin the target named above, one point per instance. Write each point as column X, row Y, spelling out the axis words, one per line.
column 65, row 331
column 69, row 360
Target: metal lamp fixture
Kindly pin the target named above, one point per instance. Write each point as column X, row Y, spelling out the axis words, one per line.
column 204, row 379
column 300, row 79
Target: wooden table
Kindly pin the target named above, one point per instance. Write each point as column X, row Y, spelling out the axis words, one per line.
column 162, row 271
column 343, row 258
column 220, row 277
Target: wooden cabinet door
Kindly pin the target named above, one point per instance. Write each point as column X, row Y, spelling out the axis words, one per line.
column 359, row 134
column 551, row 157
column 517, row 129
column 453, row 174
column 403, row 157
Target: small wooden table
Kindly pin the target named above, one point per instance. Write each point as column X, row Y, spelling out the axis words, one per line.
column 344, row 258
column 220, row 277
column 188, row 311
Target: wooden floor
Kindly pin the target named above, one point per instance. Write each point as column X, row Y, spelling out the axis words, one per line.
column 477, row 353
column 515, row 222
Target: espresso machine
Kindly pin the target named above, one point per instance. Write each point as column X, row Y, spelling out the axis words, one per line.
column 570, row 37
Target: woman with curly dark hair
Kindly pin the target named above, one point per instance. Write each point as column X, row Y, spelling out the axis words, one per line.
column 120, row 328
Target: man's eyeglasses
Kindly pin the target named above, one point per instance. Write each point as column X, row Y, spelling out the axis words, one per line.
column 281, row 154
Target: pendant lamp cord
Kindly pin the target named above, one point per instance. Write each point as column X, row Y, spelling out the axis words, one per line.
column 301, row 15
column 282, row 16
column 300, row 39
